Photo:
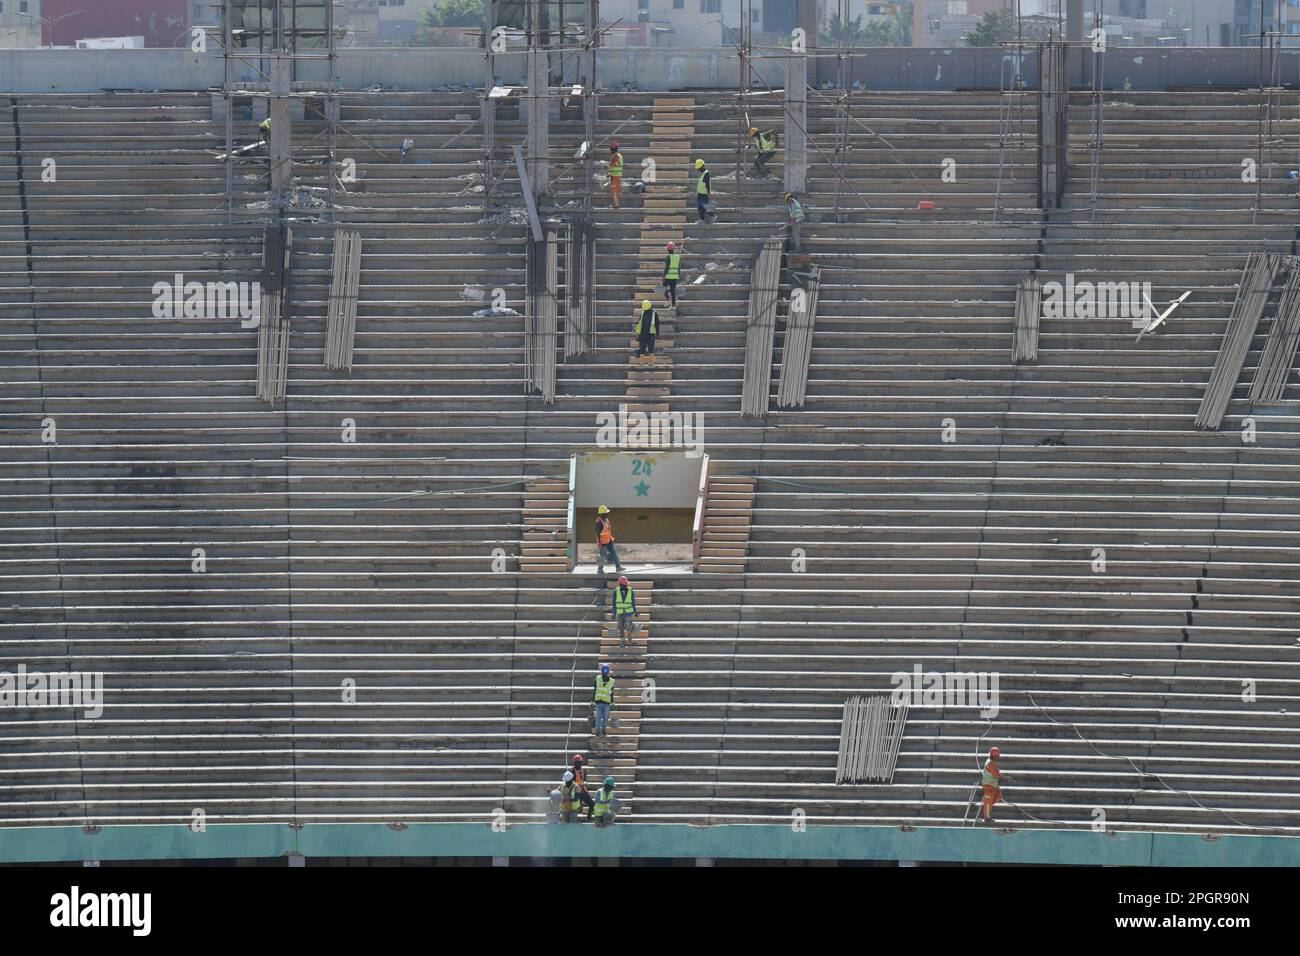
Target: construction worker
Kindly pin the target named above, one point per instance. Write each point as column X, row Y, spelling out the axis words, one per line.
column 703, row 187
column 605, row 550
column 794, row 218
column 672, row 272
column 622, row 605
column 264, row 130
column 765, row 143
column 991, row 778
column 580, row 784
column 647, row 329
column 570, row 805
column 603, row 700
column 606, row 805
column 615, row 174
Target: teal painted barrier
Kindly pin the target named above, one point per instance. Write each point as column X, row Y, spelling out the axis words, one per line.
column 923, row 844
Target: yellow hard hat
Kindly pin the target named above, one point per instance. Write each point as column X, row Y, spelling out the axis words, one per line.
column 699, row 164
column 602, row 510
column 645, row 306
column 753, row 130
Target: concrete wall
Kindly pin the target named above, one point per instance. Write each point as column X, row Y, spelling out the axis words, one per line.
column 76, row 71
column 638, row 480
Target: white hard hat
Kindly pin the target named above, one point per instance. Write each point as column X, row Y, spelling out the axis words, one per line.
column 568, row 776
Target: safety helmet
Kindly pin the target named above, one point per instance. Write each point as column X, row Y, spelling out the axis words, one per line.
column 602, row 510
column 613, row 147
column 753, row 130
column 568, row 776
column 604, row 670
column 699, row 164
column 623, row 580
column 609, row 782
column 789, row 196
column 671, row 247
column 577, row 758
column 645, row 306
column 994, row 752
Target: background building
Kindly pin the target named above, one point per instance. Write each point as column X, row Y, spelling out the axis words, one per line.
column 20, row 26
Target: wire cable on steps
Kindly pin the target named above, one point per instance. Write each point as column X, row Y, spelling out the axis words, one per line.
column 573, row 670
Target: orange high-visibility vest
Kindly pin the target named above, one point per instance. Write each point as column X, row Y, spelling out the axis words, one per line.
column 606, row 535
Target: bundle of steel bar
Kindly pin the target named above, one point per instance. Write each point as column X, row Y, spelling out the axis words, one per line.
column 795, row 354
column 341, row 317
column 1024, row 341
column 579, row 282
column 273, row 327
column 1252, row 296
column 871, row 733
column 540, row 310
column 760, row 330
column 1279, row 351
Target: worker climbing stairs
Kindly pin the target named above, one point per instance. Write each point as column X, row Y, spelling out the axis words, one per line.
column 615, row 755
column 650, row 377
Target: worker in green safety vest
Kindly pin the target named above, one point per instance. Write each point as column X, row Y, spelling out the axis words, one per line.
column 765, row 143
column 703, row 190
column 615, row 175
column 603, row 700
column 672, row 272
column 606, row 804
column 647, row 329
column 570, row 805
column 623, row 604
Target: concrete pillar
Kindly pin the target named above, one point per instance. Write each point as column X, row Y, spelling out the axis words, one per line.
column 500, row 861
column 281, row 128
column 796, row 124
column 219, row 104
column 539, row 135
column 704, row 861
column 295, row 859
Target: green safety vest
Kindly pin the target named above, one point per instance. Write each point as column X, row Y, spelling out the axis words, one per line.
column 765, row 145
column 569, row 799
column 674, row 266
column 265, row 125
column 988, row 777
column 654, row 330
column 616, row 164
column 623, row 602
column 604, row 689
column 702, row 183
column 796, row 211
column 603, row 797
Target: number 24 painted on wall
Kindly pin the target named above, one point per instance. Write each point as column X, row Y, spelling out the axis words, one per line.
column 640, row 466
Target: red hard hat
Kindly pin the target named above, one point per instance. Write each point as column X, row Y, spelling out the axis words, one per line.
column 994, row 752
column 623, row 579
column 613, row 146
column 670, row 247
column 577, row 758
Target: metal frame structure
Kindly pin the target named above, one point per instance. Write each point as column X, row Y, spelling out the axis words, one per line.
column 271, row 49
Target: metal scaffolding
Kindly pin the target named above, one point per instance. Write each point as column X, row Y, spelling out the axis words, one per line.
column 269, row 40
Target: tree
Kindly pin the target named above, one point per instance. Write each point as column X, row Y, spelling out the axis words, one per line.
column 999, row 26
column 895, row 30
